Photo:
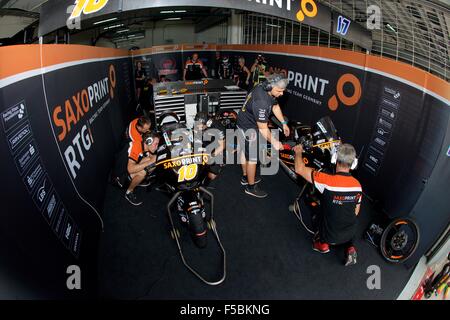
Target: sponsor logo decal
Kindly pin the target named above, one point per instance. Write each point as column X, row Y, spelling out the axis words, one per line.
column 87, row 7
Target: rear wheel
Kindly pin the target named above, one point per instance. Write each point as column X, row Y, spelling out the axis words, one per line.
column 198, row 230
column 399, row 240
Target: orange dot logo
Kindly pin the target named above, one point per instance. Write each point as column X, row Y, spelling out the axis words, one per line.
column 112, row 80
column 349, row 101
column 308, row 8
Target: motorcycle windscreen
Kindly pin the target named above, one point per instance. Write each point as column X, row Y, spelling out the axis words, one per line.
column 325, row 131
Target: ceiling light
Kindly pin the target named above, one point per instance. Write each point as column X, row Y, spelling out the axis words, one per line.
column 180, row 11
column 103, row 21
column 391, row 28
column 113, row 27
column 171, row 19
column 167, row 11
column 122, row 31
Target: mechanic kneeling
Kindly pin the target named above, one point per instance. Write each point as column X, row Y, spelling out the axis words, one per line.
column 341, row 202
column 141, row 160
column 211, row 130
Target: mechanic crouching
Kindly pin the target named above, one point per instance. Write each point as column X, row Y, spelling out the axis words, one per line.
column 340, row 203
column 212, row 134
column 141, row 162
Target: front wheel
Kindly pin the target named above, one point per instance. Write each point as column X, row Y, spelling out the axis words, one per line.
column 400, row 240
column 198, row 230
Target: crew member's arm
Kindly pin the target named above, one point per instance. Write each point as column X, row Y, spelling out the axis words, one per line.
column 184, row 71
column 254, row 66
column 133, row 167
column 265, row 132
column 357, row 209
column 248, row 75
column 300, row 168
column 204, row 70
column 279, row 115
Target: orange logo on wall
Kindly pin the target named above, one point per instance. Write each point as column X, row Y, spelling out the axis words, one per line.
column 112, row 80
column 349, row 101
column 307, row 8
column 87, row 7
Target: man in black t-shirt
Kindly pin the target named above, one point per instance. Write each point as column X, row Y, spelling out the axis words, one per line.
column 140, row 75
column 253, row 120
column 225, row 69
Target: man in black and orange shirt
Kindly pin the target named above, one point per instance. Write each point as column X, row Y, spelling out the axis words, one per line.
column 137, row 128
column 340, row 204
column 194, row 69
column 141, row 157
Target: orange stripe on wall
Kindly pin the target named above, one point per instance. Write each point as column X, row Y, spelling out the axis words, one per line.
column 18, row 59
column 22, row 58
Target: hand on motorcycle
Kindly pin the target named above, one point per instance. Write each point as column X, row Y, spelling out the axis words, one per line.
column 277, row 145
column 286, row 130
column 298, row 149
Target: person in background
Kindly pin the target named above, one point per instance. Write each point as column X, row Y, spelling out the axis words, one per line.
column 141, row 160
column 146, row 101
column 140, row 76
column 260, row 70
column 225, row 68
column 194, row 69
column 217, row 62
column 340, row 204
column 242, row 75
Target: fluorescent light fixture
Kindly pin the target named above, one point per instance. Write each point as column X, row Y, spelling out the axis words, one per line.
column 273, row 25
column 391, row 28
column 104, row 21
column 122, row 31
column 136, row 36
column 113, row 27
column 180, row 11
column 172, row 19
column 167, row 11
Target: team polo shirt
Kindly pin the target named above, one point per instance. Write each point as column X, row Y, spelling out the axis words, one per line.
column 133, row 133
column 341, row 193
column 135, row 151
column 194, row 70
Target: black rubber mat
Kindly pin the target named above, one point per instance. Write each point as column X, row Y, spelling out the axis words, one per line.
column 269, row 254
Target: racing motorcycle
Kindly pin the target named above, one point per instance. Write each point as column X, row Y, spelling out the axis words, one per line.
column 182, row 167
column 396, row 239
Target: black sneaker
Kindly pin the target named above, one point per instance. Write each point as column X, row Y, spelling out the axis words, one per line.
column 133, row 199
column 244, row 180
column 255, row 191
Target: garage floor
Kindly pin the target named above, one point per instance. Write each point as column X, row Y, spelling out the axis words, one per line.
column 269, row 254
